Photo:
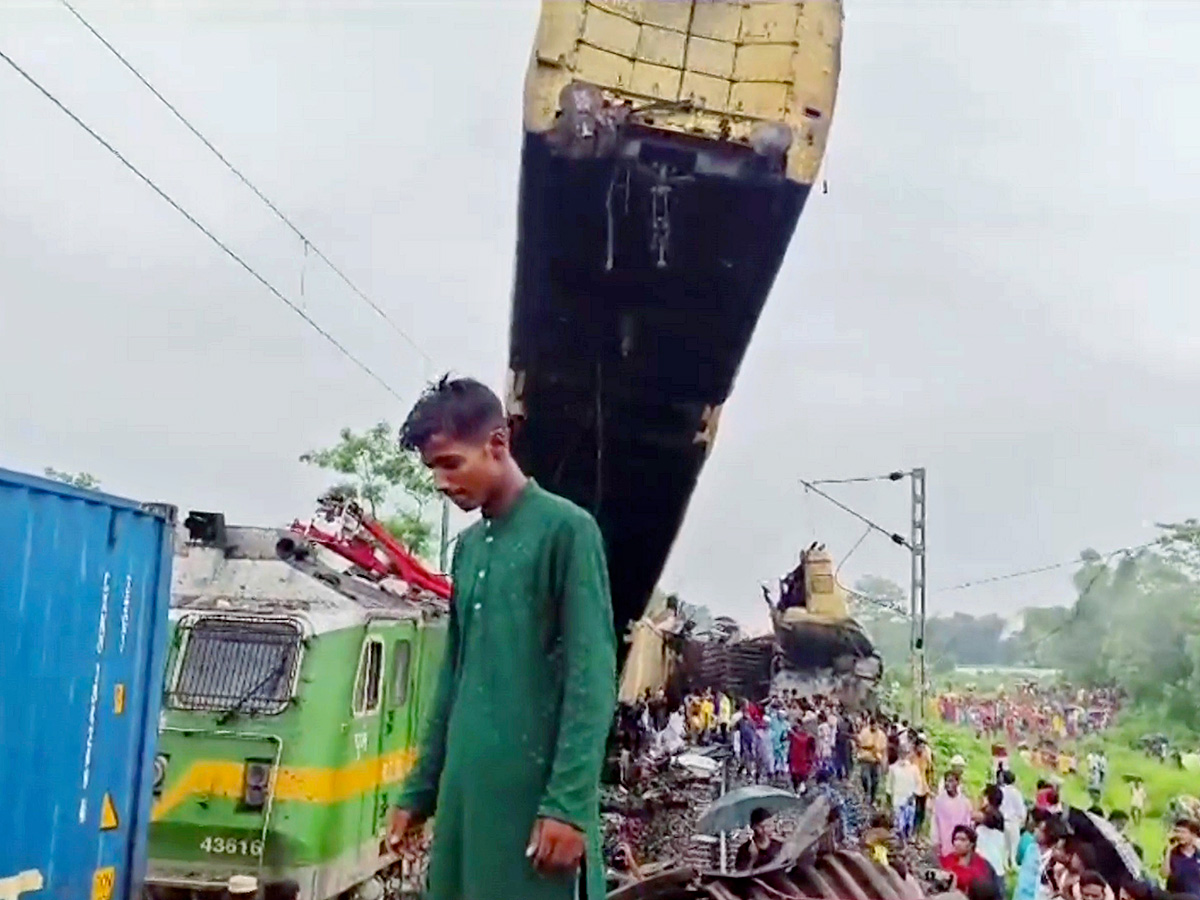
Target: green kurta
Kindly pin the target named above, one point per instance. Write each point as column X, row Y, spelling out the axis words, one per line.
column 524, row 703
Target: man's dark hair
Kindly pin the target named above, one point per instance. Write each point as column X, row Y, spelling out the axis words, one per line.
column 992, row 794
column 1007, row 777
column 1042, row 784
column 1056, row 829
column 1137, row 889
column 460, row 408
column 1118, row 815
column 1096, row 810
column 1188, row 824
column 758, row 816
column 966, row 830
column 1093, row 878
column 993, row 819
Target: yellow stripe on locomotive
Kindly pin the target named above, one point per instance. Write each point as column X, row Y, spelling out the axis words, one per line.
column 295, row 695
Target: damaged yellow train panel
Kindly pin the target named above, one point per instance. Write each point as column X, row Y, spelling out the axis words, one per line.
column 673, row 14
column 717, row 21
column 658, row 82
column 610, row 32
column 727, row 66
column 764, row 62
column 710, row 57
column 705, row 91
column 662, row 46
column 769, row 23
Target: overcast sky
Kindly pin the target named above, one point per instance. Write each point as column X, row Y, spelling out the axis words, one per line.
column 999, row 284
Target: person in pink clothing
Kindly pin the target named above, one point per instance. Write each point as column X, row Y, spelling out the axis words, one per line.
column 950, row 809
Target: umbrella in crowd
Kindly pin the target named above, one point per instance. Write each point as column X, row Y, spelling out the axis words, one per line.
column 732, row 811
column 1114, row 854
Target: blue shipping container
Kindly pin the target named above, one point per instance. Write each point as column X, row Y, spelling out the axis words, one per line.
column 85, row 583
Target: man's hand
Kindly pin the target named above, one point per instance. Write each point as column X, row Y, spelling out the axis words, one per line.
column 402, row 830
column 555, row 846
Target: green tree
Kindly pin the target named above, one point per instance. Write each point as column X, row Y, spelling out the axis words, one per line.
column 413, row 531
column 391, row 483
column 1034, row 644
column 884, row 591
column 75, row 479
column 1134, row 623
column 1179, row 544
column 963, row 639
column 960, row 639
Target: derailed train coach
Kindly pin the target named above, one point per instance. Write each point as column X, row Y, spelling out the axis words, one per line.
column 670, row 146
column 295, row 693
column 815, row 646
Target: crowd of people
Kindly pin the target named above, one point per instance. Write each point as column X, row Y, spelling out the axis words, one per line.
column 1032, row 711
column 865, row 765
column 895, row 799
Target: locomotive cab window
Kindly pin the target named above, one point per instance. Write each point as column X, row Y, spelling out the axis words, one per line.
column 400, row 653
column 370, row 678
column 236, row 666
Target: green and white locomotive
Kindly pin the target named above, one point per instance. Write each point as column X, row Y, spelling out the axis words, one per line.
column 295, row 692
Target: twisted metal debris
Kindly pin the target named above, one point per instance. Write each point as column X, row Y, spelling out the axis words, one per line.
column 826, row 875
column 811, row 867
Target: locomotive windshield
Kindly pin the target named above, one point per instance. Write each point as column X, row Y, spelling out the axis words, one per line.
column 236, row 666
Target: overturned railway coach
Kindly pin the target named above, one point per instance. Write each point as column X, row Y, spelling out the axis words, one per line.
column 295, row 691
column 670, row 146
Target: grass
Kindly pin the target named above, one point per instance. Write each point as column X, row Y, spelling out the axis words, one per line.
column 1163, row 782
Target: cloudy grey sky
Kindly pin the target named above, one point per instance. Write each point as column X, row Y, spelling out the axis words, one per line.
column 999, row 284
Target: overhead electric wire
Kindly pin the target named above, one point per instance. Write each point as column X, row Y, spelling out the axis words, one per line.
column 1039, row 569
column 1075, row 611
column 890, row 476
column 891, row 536
column 866, row 533
column 248, row 183
column 1073, row 617
column 212, row 237
column 880, row 602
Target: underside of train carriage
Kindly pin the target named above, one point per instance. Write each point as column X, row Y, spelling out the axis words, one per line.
column 640, row 278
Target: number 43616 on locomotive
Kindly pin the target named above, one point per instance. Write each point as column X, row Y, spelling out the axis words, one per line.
column 295, row 689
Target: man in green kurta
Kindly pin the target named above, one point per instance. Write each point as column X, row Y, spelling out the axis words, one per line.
column 510, row 760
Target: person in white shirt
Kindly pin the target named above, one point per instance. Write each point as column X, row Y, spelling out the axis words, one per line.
column 1097, row 775
column 904, row 739
column 903, row 781
column 671, row 738
column 1137, row 801
column 1012, row 807
column 990, row 840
